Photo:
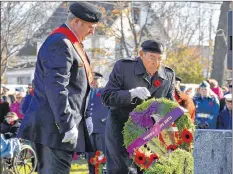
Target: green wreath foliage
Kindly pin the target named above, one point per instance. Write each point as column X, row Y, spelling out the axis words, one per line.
column 175, row 162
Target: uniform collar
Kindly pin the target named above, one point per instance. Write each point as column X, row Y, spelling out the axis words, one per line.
column 72, row 31
column 140, row 69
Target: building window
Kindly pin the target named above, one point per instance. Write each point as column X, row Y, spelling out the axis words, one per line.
column 136, row 15
column 23, row 80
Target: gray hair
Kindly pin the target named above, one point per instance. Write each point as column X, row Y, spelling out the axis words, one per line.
column 70, row 17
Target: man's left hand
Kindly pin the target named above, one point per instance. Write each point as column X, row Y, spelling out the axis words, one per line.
column 89, row 124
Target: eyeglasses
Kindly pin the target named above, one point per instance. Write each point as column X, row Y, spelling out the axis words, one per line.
column 18, row 97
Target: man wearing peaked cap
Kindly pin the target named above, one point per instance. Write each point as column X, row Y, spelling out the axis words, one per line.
column 178, row 79
column 98, row 112
column 130, row 83
column 55, row 119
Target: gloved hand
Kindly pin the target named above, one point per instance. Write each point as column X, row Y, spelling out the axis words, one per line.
column 89, row 124
column 140, row 92
column 71, row 135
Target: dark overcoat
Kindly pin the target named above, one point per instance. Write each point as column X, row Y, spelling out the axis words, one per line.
column 60, row 97
column 126, row 75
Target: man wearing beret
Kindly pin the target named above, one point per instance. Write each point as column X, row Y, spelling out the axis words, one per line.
column 131, row 82
column 55, row 119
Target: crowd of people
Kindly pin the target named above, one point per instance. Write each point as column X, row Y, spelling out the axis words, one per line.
column 212, row 105
column 69, row 111
column 13, row 107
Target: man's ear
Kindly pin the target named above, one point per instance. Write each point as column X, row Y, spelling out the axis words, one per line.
column 141, row 53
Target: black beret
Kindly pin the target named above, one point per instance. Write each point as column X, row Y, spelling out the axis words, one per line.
column 152, row 46
column 178, row 79
column 86, row 11
column 97, row 75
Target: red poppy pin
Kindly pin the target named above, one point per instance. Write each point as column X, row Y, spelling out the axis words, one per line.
column 211, row 103
column 157, row 83
column 98, row 94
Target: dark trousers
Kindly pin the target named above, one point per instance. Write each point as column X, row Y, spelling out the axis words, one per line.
column 118, row 161
column 98, row 143
column 53, row 161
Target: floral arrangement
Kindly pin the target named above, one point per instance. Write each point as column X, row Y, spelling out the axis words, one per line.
column 98, row 161
column 157, row 131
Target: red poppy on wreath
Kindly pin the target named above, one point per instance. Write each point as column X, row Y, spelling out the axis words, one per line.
column 140, row 158
column 153, row 157
column 98, row 94
column 157, row 83
column 186, row 136
column 171, row 147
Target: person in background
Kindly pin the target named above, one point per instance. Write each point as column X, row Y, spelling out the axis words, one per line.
column 4, row 109
column 98, row 112
column 224, row 120
column 189, row 93
column 15, row 107
column 229, row 82
column 215, row 88
column 228, row 85
column 6, row 97
column 9, row 128
column 30, row 87
column 223, row 101
column 27, row 98
column 184, row 100
column 207, row 108
column 225, row 90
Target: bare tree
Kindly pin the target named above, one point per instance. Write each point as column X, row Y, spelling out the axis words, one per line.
column 19, row 21
column 220, row 47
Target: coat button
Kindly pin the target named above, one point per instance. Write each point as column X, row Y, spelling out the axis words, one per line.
column 91, row 109
column 92, row 104
column 90, row 113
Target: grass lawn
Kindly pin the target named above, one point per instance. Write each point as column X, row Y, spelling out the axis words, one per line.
column 79, row 167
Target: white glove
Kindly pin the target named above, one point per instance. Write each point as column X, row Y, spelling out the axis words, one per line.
column 71, row 135
column 140, row 92
column 89, row 124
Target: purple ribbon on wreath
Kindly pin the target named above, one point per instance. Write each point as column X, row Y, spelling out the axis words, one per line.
column 143, row 118
column 155, row 129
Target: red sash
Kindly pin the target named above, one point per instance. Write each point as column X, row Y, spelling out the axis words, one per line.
column 73, row 39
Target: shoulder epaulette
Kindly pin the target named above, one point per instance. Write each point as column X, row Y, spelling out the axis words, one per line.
column 128, row 60
column 168, row 68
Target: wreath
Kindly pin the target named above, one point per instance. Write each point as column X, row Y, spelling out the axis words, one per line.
column 159, row 137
